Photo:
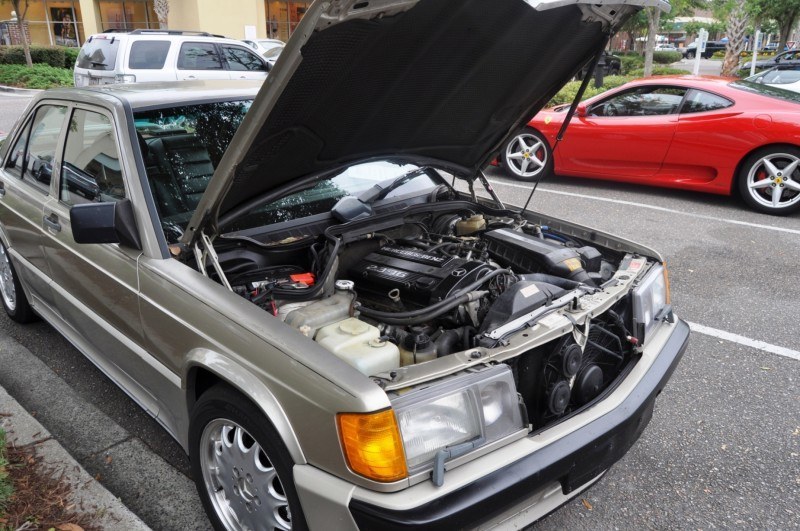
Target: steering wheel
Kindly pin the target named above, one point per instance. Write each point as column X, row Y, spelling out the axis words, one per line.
column 611, row 109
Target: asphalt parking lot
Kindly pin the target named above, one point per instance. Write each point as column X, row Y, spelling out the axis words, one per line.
column 722, row 450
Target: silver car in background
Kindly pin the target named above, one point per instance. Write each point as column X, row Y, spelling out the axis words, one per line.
column 289, row 281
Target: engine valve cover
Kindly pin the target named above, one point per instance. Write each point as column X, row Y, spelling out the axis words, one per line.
column 421, row 278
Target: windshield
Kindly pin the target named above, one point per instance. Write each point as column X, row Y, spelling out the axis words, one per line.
column 181, row 147
column 352, row 181
column 766, row 90
column 99, row 53
column 776, row 76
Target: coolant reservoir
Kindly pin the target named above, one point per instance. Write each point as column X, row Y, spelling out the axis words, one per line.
column 359, row 344
column 309, row 319
column 470, row 225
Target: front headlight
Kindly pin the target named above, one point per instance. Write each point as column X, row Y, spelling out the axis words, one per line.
column 650, row 297
column 463, row 412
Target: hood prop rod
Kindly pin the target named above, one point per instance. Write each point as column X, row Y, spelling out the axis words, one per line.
column 208, row 252
column 570, row 113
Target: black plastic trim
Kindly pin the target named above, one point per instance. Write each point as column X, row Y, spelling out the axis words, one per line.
column 573, row 460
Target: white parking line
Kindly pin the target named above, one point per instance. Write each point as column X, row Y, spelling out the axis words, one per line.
column 746, row 341
column 651, row 207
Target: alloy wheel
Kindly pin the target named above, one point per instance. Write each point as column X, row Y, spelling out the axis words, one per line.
column 242, row 483
column 774, row 181
column 526, row 155
column 7, row 290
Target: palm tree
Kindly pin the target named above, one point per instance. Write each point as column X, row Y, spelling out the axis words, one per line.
column 737, row 26
column 161, row 7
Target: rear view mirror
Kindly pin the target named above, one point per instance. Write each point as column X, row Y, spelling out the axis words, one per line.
column 111, row 222
column 580, row 112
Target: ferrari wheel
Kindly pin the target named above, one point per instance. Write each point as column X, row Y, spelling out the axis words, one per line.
column 527, row 156
column 769, row 180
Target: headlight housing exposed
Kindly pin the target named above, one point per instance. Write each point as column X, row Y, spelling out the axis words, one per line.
column 650, row 298
column 463, row 412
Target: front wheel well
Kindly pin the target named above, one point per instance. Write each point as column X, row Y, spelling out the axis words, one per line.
column 198, row 381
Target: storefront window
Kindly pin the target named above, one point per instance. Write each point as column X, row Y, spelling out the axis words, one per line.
column 52, row 22
column 127, row 15
column 283, row 17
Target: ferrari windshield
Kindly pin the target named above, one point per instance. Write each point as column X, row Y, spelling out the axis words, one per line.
column 766, row 90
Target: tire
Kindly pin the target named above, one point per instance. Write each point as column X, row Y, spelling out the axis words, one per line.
column 764, row 184
column 690, row 55
column 252, row 487
column 527, row 156
column 614, row 72
column 15, row 303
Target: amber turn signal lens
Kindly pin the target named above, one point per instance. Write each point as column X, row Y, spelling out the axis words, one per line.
column 372, row 445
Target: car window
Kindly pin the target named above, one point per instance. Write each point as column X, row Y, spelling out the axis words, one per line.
column 34, row 163
column 778, row 77
column 181, row 147
column 16, row 156
column 699, row 101
column 148, row 55
column 641, row 101
column 99, row 53
column 91, row 169
column 241, row 59
column 199, row 56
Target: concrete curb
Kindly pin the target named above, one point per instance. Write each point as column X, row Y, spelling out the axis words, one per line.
column 20, row 91
column 87, row 493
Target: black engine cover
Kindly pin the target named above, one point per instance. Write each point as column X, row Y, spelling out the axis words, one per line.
column 422, row 278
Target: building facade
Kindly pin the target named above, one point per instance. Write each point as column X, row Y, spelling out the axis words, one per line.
column 70, row 22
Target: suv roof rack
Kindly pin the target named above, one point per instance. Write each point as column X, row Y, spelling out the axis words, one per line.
column 174, row 32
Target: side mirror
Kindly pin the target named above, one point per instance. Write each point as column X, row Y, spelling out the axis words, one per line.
column 105, row 223
column 580, row 112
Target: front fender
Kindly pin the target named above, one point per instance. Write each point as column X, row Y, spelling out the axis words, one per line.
column 246, row 383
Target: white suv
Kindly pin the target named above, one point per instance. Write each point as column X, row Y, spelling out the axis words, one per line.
column 164, row 55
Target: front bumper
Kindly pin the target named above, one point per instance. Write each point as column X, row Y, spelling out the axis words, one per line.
column 573, row 461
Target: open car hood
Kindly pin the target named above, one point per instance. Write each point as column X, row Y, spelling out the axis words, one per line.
column 421, row 80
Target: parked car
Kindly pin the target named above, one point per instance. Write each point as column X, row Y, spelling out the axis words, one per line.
column 262, row 46
column 712, row 47
column 164, row 55
column 337, row 336
column 272, row 55
column 674, row 132
column 610, row 64
column 789, row 58
column 785, row 77
column 668, row 47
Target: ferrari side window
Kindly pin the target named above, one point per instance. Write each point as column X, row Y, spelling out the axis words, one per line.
column 643, row 101
column 699, row 101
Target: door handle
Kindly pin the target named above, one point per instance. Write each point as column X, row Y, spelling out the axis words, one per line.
column 52, row 223
column 2, row 189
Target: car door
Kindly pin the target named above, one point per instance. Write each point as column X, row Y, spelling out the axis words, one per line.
column 24, row 186
column 200, row 60
column 95, row 286
column 242, row 63
column 624, row 135
column 708, row 137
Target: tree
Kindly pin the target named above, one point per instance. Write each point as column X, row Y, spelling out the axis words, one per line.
column 26, row 47
column 653, row 18
column 161, row 7
column 737, row 26
column 784, row 12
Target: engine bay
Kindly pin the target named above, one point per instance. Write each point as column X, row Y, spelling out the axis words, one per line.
column 404, row 299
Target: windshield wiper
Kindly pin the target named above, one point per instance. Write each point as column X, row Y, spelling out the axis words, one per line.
column 96, row 63
column 382, row 189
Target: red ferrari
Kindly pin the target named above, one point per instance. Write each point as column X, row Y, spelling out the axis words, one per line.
column 711, row 135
